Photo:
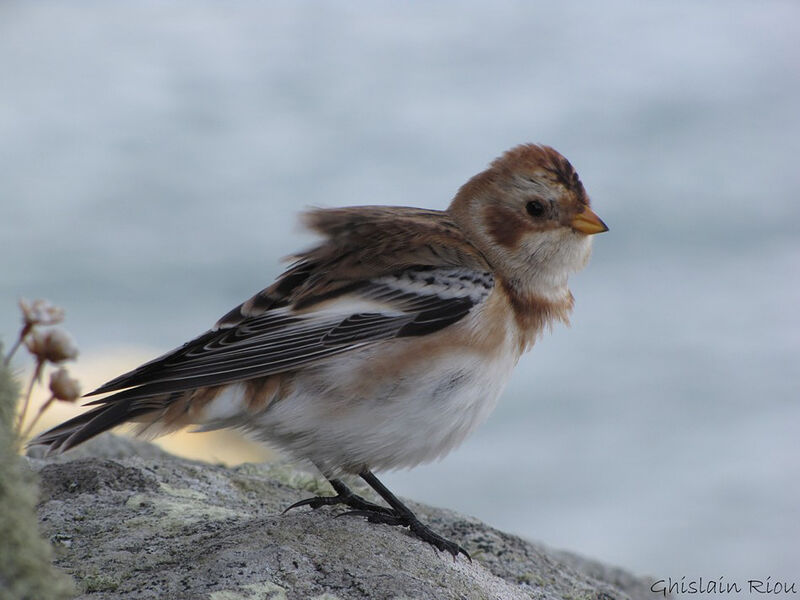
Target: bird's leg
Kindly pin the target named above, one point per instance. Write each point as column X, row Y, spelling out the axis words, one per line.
column 344, row 495
column 402, row 515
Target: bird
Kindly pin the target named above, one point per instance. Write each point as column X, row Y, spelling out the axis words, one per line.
column 384, row 345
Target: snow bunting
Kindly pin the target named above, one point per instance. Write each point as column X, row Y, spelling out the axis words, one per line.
column 385, row 345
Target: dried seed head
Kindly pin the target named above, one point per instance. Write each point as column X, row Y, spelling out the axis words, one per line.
column 54, row 345
column 40, row 312
column 64, row 387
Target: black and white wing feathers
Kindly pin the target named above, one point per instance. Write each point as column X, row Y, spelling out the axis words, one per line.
column 411, row 303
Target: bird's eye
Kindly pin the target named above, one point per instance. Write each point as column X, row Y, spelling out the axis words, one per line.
column 535, row 208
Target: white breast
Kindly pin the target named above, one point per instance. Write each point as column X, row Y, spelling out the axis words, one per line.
column 341, row 419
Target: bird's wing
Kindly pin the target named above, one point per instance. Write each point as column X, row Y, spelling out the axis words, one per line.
column 359, row 245
column 413, row 302
column 380, row 273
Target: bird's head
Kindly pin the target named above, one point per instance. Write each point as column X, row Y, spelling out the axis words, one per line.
column 529, row 214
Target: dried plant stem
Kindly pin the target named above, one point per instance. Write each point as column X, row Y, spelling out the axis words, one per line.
column 22, row 335
column 34, row 378
column 42, row 408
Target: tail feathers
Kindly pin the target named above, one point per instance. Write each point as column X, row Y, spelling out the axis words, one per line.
column 83, row 427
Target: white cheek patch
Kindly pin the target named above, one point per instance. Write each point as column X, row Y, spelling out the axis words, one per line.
column 577, row 250
column 548, row 259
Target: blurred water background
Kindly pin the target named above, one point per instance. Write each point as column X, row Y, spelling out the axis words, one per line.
column 153, row 157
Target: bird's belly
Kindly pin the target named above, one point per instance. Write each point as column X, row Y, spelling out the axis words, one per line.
column 358, row 413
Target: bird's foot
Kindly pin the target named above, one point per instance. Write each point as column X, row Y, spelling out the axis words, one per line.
column 348, row 498
column 417, row 527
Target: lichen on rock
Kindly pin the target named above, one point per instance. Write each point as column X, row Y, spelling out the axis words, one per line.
column 131, row 521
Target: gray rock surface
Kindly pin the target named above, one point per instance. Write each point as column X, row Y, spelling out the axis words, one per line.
column 130, row 521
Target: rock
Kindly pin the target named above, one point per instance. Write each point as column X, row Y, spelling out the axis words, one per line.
column 130, row 521
column 26, row 572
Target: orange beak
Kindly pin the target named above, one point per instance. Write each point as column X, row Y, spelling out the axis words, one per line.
column 587, row 222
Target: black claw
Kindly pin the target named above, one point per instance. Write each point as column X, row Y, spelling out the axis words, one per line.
column 385, row 518
column 420, row 530
column 352, row 500
column 398, row 515
column 315, row 502
column 426, row 534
